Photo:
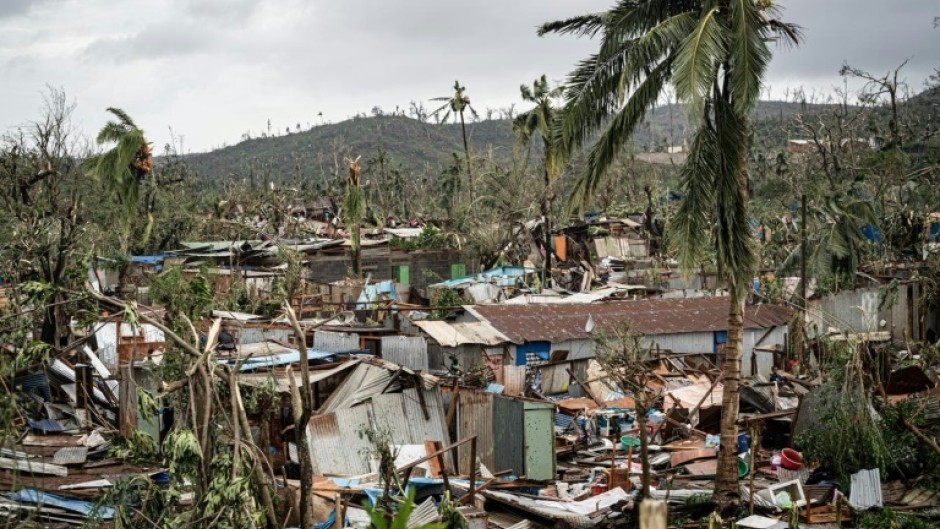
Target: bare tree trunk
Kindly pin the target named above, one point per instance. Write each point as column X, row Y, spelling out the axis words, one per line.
column 466, row 150
column 547, row 215
column 644, row 451
column 301, row 419
column 356, row 248
column 726, row 482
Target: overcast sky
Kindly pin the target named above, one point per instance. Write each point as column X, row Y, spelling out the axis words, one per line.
column 214, row 69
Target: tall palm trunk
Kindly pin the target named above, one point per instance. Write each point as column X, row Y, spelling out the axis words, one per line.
column 726, row 480
column 466, row 151
column 726, row 484
column 642, row 423
column 547, row 215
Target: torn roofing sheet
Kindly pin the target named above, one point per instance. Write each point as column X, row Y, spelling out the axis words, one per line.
column 281, row 381
column 44, row 498
column 456, row 334
column 292, row 357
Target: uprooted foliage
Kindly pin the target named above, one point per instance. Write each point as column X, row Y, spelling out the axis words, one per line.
column 218, row 477
column 857, row 428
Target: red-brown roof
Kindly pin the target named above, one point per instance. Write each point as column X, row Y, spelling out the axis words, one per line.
column 557, row 322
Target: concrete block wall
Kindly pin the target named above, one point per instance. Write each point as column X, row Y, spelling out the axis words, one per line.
column 425, row 267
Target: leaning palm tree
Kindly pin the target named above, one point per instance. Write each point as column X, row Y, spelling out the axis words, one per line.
column 714, row 53
column 125, row 167
column 455, row 106
column 542, row 120
column 835, row 237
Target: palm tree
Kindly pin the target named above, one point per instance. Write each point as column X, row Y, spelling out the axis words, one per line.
column 125, row 167
column 543, row 120
column 455, row 106
column 835, row 237
column 714, row 53
column 353, row 212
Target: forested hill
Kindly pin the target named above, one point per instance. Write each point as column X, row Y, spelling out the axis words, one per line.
column 420, row 147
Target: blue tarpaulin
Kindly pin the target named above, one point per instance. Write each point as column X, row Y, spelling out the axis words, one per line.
column 330, row 521
column 872, row 233
column 82, row 507
column 503, row 276
column 155, row 261
column 372, row 293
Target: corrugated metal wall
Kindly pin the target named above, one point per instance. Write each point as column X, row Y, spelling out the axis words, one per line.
column 249, row 335
column 577, row 349
column 335, row 342
column 850, row 311
column 335, row 443
column 689, row 342
column 765, row 360
column 509, row 434
column 475, row 417
column 407, row 351
column 514, row 379
column 402, row 416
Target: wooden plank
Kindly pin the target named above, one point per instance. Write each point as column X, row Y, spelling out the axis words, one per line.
column 680, row 458
column 33, row 467
column 703, row 468
column 430, row 447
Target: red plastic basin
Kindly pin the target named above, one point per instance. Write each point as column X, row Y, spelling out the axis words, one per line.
column 791, row 459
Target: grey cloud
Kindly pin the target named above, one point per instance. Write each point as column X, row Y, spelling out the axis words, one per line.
column 11, row 8
column 226, row 66
column 162, row 40
column 227, row 11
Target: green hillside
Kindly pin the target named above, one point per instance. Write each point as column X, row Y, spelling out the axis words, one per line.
column 426, row 148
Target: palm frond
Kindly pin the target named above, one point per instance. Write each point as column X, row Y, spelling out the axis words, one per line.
column 582, row 26
column 121, row 115
column 788, row 34
column 618, row 132
column 597, row 87
column 749, row 55
column 697, row 61
column 690, row 226
column 734, row 245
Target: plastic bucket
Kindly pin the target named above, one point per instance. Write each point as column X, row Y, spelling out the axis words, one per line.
column 628, row 440
column 790, row 459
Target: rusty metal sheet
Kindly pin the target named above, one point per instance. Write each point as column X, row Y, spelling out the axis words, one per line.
column 475, row 417
column 514, row 379
column 558, row 322
column 335, row 443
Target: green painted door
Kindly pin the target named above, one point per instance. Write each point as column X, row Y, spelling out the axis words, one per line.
column 458, row 270
column 539, row 442
column 402, row 274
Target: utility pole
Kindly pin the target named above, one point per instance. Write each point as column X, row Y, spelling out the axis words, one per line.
column 803, row 286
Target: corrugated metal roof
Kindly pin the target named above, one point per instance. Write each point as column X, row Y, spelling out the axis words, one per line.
column 455, row 334
column 407, row 351
column 560, row 322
